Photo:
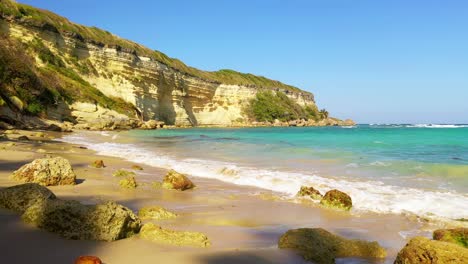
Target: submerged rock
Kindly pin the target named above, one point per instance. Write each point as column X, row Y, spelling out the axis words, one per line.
column 311, row 192
column 177, row 181
column 155, row 212
column 88, row 260
column 128, row 183
column 155, row 233
column 47, row 172
column 321, row 246
column 123, row 173
column 98, row 164
column 20, row 197
column 73, row 220
column 337, row 199
column 421, row 250
column 457, row 235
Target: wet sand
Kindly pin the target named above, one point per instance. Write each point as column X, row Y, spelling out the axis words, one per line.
column 242, row 223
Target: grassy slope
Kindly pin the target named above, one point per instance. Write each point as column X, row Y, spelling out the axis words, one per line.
column 38, row 17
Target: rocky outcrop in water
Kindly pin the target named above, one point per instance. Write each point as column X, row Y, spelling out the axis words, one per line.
column 310, row 192
column 320, row 246
column 337, row 199
column 47, row 172
column 457, row 235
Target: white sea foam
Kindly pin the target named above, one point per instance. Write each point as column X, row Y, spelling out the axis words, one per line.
column 436, row 126
column 372, row 196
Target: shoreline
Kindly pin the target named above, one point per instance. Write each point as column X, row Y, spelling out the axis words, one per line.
column 242, row 222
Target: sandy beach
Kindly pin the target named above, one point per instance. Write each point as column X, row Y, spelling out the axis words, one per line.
column 242, row 223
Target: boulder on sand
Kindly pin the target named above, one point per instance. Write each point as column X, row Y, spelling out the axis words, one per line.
column 20, row 197
column 337, row 199
column 98, row 164
column 155, row 212
column 310, row 191
column 128, row 183
column 177, row 181
column 72, row 220
column 46, row 172
column 321, row 246
column 421, row 250
column 457, row 235
column 155, row 233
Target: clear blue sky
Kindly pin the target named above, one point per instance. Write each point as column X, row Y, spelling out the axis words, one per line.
column 374, row 61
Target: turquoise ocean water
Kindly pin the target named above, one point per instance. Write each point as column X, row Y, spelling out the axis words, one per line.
column 420, row 169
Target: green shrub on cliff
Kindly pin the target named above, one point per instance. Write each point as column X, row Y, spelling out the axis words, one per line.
column 47, row 20
column 268, row 106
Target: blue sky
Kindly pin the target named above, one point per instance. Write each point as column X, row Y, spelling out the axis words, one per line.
column 373, row 61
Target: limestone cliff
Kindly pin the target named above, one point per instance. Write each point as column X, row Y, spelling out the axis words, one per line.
column 158, row 87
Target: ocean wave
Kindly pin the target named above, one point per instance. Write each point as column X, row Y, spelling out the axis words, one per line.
column 435, row 126
column 374, row 196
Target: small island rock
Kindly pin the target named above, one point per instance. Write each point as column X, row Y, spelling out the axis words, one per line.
column 98, row 164
column 128, row 183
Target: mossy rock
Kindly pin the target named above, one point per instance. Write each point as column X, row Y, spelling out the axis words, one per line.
column 155, row 233
column 337, row 199
column 123, row 173
column 311, row 192
column 457, row 235
column 421, row 250
column 73, row 220
column 23, row 138
column 136, row 167
column 155, row 212
column 321, row 246
column 47, row 172
column 128, row 183
column 177, row 181
column 98, row 164
column 21, row 197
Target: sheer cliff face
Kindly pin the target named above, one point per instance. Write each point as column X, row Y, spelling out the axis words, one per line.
column 157, row 91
